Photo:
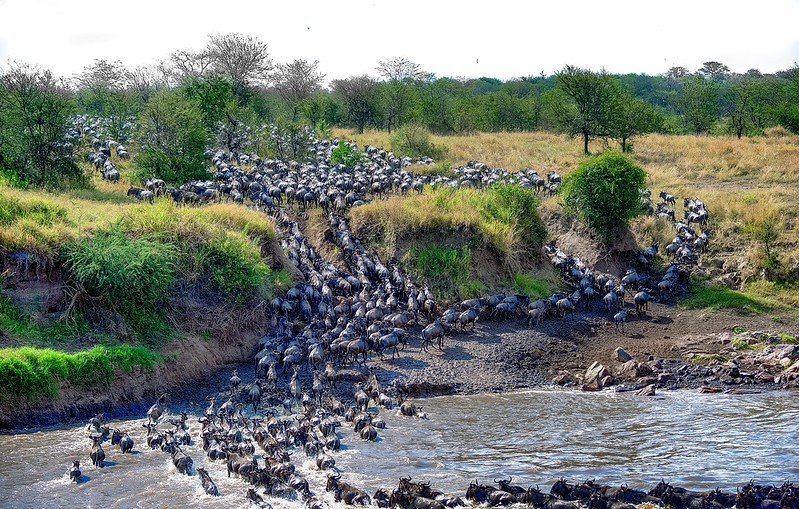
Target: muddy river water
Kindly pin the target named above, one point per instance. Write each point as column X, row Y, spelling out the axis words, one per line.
column 689, row 439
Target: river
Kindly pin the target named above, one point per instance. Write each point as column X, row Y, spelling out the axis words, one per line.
column 689, row 439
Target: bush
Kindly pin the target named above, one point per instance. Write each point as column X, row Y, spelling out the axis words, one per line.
column 604, row 193
column 129, row 273
column 173, row 139
column 347, row 155
column 413, row 140
column 445, row 269
column 236, row 268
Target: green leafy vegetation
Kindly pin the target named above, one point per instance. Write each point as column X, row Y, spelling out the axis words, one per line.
column 413, row 139
column 535, row 288
column 604, row 192
column 16, row 324
column 128, row 272
column 34, row 373
column 347, row 155
column 718, row 297
column 445, row 269
column 702, row 358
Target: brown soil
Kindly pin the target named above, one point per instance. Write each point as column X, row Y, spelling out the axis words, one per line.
column 507, row 355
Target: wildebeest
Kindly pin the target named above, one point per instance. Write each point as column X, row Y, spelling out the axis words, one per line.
column 97, row 453
column 155, row 411
column 346, row 492
column 74, row 471
column 208, row 484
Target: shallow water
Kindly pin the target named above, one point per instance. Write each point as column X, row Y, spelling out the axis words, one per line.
column 686, row 438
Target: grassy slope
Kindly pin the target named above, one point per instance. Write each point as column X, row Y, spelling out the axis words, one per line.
column 42, row 352
column 741, row 181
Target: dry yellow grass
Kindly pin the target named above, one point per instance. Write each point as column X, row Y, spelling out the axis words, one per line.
column 740, row 181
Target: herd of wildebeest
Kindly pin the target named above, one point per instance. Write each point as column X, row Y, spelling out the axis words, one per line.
column 326, row 328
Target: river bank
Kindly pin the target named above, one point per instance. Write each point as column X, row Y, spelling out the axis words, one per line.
column 671, row 348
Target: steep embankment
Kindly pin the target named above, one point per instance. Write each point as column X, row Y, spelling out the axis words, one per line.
column 107, row 303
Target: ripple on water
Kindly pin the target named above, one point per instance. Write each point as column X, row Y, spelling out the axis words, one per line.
column 701, row 441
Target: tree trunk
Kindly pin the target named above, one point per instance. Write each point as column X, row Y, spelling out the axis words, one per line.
column 623, row 145
column 585, row 143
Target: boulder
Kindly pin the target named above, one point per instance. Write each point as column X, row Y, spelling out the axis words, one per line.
column 621, row 355
column 764, row 377
column 665, row 377
column 649, row 390
column 563, row 378
column 592, row 380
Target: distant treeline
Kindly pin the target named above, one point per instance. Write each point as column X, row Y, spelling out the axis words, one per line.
column 231, row 94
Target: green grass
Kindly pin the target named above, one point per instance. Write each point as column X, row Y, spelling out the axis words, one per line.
column 504, row 217
column 445, row 269
column 17, row 325
column 702, row 358
column 718, row 297
column 535, row 288
column 33, row 373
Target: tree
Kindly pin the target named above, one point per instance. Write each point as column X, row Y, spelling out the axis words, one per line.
column 173, row 139
column 738, row 105
column 360, row 98
column 397, row 92
column 677, row 72
column 604, row 192
column 36, row 144
column 714, row 70
column 188, row 64
column 637, row 117
column 296, row 82
column 697, row 104
column 243, row 59
column 596, row 102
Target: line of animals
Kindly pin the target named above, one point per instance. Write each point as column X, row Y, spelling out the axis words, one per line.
column 230, row 438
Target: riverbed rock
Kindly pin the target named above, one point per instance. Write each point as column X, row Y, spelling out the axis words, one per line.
column 649, row 390
column 563, row 378
column 621, row 355
column 764, row 377
column 594, row 375
column 665, row 377
column 709, row 390
column 632, row 369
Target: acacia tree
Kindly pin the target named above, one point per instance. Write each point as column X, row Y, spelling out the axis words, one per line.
column 714, row 70
column 35, row 126
column 104, row 89
column 595, row 102
column 739, row 100
column 296, row 82
column 360, row 98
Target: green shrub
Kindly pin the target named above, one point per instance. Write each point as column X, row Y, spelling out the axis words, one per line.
column 31, row 373
column 413, row 140
column 472, row 288
column 347, row 155
column 16, row 324
column 128, row 272
column 604, row 192
column 445, row 269
column 173, row 139
column 236, row 268
column 535, row 288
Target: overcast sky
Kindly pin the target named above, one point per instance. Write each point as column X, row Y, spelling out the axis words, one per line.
column 495, row 38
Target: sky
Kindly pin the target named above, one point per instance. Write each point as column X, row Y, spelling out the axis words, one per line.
column 461, row 39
